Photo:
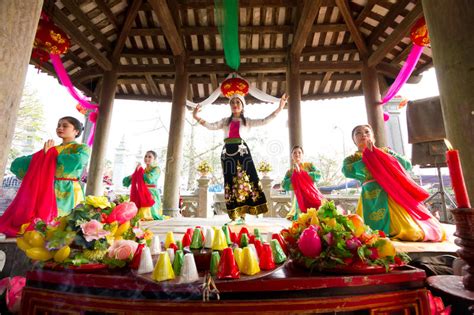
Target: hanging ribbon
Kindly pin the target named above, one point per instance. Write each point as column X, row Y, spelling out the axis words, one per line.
column 227, row 20
column 420, row 38
column 66, row 82
column 404, row 73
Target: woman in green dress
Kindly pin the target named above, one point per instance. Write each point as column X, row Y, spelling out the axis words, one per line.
column 389, row 201
column 50, row 180
column 294, row 173
column 71, row 160
column 150, row 176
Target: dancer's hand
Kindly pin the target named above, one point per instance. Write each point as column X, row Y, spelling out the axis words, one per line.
column 296, row 166
column 48, row 145
column 370, row 145
column 283, row 101
column 196, row 110
column 138, row 166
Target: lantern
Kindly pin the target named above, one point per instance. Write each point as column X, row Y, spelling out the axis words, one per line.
column 419, row 33
column 49, row 39
column 81, row 109
column 234, row 86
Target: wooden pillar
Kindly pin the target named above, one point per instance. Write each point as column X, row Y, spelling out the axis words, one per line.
column 452, row 44
column 174, row 155
column 370, row 85
column 294, row 101
column 19, row 20
column 101, row 137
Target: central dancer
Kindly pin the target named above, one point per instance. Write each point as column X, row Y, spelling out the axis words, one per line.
column 242, row 187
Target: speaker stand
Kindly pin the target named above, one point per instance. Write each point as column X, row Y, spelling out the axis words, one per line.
column 444, row 197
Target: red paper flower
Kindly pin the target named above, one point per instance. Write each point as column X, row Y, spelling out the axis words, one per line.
column 234, row 86
column 49, row 39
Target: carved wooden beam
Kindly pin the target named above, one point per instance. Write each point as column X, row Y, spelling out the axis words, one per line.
column 87, row 74
column 151, row 83
column 387, row 21
column 396, row 36
column 140, row 79
column 86, row 22
column 355, row 33
column 324, row 82
column 402, row 55
column 317, row 66
column 365, row 12
column 126, row 27
column 305, row 23
column 248, row 53
column 108, row 13
column 249, row 29
column 78, row 37
column 171, row 32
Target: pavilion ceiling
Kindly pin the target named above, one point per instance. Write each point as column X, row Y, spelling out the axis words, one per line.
column 139, row 38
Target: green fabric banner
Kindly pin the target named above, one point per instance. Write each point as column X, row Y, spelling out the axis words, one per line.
column 227, row 20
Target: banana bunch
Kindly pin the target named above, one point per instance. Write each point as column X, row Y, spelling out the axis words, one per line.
column 33, row 244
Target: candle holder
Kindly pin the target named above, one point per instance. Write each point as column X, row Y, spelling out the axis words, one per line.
column 464, row 220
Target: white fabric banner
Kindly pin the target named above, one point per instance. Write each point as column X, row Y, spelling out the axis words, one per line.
column 258, row 94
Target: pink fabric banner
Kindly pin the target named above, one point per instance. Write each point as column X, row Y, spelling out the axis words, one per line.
column 66, row 82
column 404, row 73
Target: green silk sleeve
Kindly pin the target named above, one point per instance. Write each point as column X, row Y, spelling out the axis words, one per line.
column 20, row 165
column 286, row 183
column 72, row 160
column 127, row 181
column 152, row 175
column 355, row 168
column 313, row 171
column 401, row 159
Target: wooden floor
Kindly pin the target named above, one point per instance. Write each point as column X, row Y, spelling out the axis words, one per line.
column 273, row 225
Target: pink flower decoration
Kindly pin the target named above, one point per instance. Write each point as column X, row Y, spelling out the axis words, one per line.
column 93, row 230
column 123, row 212
column 138, row 233
column 14, row 288
column 123, row 249
column 310, row 243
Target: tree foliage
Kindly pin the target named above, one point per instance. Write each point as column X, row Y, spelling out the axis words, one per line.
column 29, row 124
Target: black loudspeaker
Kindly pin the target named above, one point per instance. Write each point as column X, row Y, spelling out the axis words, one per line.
column 426, row 132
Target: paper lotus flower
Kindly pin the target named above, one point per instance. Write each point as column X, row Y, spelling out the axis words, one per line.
column 309, row 242
column 123, row 212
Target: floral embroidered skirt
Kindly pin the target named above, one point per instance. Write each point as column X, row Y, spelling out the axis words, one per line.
column 242, row 187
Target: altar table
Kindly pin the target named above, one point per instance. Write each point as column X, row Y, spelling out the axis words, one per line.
column 286, row 291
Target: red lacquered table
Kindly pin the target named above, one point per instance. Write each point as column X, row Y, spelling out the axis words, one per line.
column 286, row 291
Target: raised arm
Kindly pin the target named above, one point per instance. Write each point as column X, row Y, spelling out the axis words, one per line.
column 212, row 126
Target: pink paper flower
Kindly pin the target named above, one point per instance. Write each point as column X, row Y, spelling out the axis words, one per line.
column 123, row 249
column 93, row 230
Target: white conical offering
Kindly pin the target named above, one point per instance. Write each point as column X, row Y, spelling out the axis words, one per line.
column 155, row 246
column 189, row 271
column 269, row 238
column 209, row 238
column 146, row 262
column 254, row 251
column 171, row 254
